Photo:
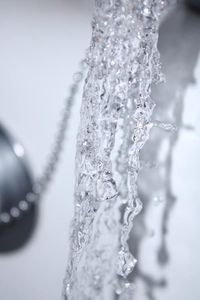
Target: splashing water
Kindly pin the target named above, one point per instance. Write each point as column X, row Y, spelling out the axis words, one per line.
column 123, row 64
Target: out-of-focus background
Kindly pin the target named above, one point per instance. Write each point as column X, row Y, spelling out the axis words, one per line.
column 41, row 45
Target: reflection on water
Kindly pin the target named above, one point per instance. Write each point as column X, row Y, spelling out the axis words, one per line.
column 179, row 46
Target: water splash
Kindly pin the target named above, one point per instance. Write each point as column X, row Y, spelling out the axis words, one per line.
column 123, row 64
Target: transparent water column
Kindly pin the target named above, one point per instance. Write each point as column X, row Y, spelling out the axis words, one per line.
column 123, row 63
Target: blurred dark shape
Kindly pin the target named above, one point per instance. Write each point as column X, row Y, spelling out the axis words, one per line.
column 15, row 182
column 15, row 177
column 179, row 45
column 194, row 4
column 18, row 233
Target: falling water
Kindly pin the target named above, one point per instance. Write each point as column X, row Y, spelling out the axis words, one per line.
column 123, row 63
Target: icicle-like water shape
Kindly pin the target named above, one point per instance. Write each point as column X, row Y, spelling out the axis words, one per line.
column 123, row 64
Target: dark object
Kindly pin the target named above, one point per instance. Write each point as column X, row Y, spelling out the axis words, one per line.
column 15, row 182
column 15, row 176
column 15, row 235
column 194, row 4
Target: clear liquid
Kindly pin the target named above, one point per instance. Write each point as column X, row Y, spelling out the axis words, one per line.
column 123, row 64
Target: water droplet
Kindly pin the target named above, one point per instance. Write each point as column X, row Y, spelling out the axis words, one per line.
column 165, row 126
column 126, row 263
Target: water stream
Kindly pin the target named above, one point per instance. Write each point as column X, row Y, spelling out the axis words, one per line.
column 116, row 121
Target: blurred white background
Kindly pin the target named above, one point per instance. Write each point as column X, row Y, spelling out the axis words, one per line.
column 42, row 43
